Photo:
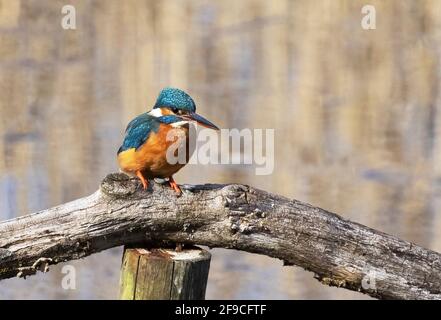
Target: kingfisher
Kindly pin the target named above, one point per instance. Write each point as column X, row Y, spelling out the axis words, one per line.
column 143, row 152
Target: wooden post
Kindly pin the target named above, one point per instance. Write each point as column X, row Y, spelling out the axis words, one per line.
column 164, row 274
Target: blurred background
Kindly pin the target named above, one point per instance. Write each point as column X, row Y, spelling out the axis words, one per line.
column 356, row 113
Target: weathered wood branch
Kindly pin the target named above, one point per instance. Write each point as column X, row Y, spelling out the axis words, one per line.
column 339, row 252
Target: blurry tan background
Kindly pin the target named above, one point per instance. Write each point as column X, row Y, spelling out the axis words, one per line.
column 356, row 114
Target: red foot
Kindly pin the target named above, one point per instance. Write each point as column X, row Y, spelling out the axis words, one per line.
column 175, row 186
column 145, row 183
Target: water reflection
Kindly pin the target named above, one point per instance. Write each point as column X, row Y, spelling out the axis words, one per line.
column 355, row 112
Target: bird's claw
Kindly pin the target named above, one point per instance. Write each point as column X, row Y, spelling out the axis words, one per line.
column 175, row 187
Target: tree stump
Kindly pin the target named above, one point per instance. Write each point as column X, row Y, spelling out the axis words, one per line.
column 164, row 274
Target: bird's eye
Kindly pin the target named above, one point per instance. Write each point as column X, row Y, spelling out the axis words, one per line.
column 177, row 111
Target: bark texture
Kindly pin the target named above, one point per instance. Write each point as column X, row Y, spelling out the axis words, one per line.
column 339, row 252
column 164, row 274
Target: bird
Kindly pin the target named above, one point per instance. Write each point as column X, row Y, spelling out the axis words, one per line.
column 143, row 152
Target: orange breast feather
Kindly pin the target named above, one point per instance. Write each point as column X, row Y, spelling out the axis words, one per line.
column 151, row 157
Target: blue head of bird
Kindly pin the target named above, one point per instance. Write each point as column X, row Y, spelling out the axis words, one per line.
column 182, row 107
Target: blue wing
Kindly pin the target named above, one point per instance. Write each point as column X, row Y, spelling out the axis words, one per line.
column 138, row 131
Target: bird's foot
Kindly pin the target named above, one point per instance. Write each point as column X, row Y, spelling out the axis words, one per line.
column 179, row 247
column 175, row 186
column 144, row 181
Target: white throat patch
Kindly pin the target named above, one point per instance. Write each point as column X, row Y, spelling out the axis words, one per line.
column 156, row 112
column 179, row 124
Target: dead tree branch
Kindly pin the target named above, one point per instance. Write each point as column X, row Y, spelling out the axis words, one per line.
column 339, row 252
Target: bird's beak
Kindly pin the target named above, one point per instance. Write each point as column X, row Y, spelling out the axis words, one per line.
column 201, row 120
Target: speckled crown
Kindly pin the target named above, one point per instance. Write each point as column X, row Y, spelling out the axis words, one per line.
column 175, row 98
